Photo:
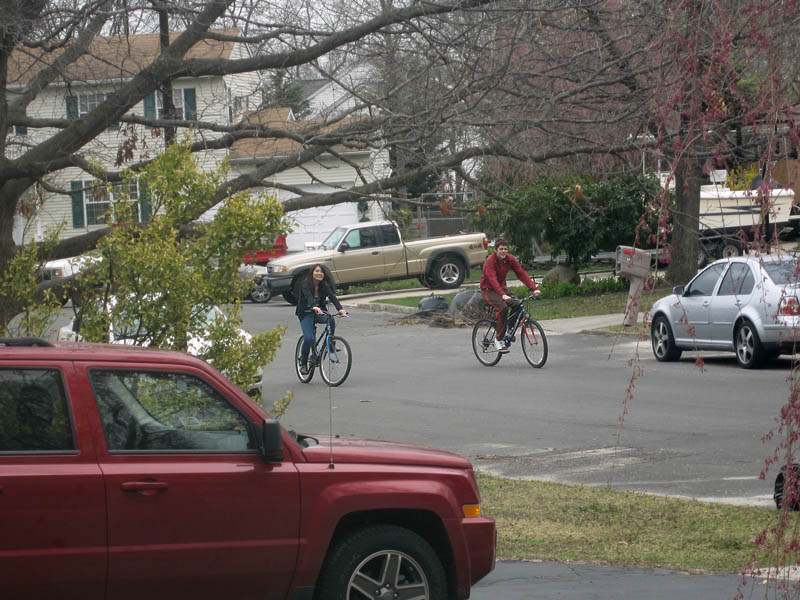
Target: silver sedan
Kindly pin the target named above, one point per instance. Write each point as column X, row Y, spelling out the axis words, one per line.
column 748, row 305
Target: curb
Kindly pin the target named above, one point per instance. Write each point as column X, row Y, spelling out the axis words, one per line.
column 382, row 307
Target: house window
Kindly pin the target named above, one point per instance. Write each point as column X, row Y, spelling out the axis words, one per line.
column 177, row 100
column 241, row 103
column 90, row 205
column 185, row 101
column 88, row 102
column 80, row 106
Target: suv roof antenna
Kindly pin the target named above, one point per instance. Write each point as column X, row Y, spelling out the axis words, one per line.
column 330, row 425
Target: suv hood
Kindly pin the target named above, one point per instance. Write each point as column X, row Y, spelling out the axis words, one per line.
column 353, row 450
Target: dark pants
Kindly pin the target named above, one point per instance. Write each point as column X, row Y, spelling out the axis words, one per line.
column 501, row 308
column 307, row 325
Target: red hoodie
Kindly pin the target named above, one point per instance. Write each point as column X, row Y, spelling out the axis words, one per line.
column 495, row 271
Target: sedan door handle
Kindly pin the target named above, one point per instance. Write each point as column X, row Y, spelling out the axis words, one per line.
column 146, row 488
column 375, row 253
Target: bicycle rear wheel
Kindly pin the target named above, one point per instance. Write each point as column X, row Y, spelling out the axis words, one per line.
column 534, row 343
column 300, row 376
column 334, row 367
column 483, row 335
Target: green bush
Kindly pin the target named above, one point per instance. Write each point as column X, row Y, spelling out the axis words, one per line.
column 574, row 214
column 588, row 287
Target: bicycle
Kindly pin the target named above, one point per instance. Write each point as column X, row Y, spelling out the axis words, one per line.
column 330, row 353
column 533, row 339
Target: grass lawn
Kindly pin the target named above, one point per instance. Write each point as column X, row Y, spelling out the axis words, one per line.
column 559, row 308
column 539, row 520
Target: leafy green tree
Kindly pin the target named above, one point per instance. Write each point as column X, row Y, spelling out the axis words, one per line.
column 20, row 282
column 158, row 283
column 573, row 214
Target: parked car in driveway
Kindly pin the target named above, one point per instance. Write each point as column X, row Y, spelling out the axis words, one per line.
column 129, row 472
column 747, row 305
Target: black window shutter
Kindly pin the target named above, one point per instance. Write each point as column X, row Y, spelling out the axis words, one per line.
column 77, row 204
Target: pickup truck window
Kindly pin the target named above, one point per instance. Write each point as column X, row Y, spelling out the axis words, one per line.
column 34, row 416
column 366, row 237
column 389, row 235
column 156, row 410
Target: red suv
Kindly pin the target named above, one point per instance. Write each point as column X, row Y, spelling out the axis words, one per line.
column 139, row 473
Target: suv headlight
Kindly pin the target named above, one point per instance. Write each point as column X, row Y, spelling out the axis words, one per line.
column 276, row 268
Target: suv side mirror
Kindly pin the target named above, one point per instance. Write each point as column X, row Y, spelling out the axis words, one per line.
column 271, row 447
column 344, row 246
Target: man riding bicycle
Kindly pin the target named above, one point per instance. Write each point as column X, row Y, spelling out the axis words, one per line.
column 494, row 289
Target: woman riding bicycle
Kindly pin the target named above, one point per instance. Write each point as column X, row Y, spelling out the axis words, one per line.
column 494, row 288
column 312, row 300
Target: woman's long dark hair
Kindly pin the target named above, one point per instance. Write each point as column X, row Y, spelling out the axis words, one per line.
column 327, row 281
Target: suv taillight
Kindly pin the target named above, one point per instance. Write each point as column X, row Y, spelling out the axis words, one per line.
column 789, row 306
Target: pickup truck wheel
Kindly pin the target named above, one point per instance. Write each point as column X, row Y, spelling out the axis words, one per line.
column 448, row 272
column 382, row 561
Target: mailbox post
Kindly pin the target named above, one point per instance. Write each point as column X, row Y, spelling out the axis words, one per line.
column 634, row 265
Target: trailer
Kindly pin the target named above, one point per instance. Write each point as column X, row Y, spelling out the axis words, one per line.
column 729, row 219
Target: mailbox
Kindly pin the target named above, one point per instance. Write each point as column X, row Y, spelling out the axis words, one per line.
column 633, row 264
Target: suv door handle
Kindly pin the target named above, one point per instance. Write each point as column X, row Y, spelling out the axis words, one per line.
column 375, row 252
column 146, row 488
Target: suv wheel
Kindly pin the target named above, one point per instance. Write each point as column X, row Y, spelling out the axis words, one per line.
column 382, row 561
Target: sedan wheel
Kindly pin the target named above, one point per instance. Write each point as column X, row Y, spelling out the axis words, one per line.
column 260, row 292
column 749, row 352
column 664, row 348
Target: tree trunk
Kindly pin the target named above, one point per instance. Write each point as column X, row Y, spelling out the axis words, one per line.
column 685, row 219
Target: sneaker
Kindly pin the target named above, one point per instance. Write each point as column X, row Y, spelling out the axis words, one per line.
column 500, row 346
column 303, row 369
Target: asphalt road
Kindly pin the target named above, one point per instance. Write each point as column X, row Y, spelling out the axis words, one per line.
column 684, row 430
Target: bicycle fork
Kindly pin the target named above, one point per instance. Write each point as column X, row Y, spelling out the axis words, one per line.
column 529, row 333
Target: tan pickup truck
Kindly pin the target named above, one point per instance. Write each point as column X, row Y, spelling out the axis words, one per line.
column 375, row 251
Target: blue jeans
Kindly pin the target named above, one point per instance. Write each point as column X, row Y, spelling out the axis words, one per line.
column 307, row 325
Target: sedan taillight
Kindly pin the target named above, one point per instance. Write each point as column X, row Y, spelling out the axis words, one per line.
column 789, row 306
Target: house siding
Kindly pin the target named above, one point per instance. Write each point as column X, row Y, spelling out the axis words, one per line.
column 52, row 103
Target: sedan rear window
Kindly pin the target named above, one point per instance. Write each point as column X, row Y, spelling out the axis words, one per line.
column 782, row 272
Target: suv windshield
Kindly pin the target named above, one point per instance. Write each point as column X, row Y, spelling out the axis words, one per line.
column 333, row 239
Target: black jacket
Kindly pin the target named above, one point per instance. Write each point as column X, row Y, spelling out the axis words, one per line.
column 306, row 301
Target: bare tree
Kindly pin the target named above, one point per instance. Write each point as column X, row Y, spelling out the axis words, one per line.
column 512, row 86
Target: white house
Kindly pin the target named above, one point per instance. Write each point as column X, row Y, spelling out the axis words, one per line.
column 109, row 62
column 220, row 99
column 327, row 173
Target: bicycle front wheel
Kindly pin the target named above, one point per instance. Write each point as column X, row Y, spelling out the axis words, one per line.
column 303, row 378
column 334, row 366
column 483, row 335
column 534, row 343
